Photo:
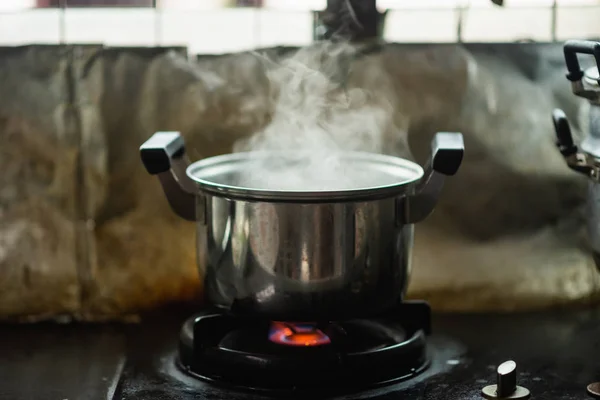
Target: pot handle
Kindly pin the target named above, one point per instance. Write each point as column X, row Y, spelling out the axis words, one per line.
column 164, row 155
column 564, row 138
column 575, row 74
column 447, row 150
column 574, row 47
column 575, row 159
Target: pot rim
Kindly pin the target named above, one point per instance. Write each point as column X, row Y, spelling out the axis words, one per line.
column 229, row 161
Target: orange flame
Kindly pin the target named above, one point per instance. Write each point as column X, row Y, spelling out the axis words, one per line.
column 289, row 334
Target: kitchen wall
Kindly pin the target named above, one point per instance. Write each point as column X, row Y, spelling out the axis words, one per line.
column 205, row 27
column 85, row 233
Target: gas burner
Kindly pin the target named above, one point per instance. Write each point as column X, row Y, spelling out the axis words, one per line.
column 355, row 354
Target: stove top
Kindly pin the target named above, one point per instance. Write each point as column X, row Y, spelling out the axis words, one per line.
column 555, row 353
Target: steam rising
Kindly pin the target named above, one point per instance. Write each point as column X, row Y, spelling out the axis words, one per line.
column 317, row 118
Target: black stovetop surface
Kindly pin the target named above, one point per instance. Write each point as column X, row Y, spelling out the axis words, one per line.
column 557, row 355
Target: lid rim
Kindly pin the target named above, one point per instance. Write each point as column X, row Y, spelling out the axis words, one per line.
column 368, row 192
column 374, row 193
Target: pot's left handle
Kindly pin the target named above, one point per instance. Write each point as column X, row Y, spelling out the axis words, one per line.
column 164, row 155
column 447, row 151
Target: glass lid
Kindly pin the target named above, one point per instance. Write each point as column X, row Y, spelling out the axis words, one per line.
column 303, row 175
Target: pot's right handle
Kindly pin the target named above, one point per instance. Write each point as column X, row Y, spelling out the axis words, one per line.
column 447, row 151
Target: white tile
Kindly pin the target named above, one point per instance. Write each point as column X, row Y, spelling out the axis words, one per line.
column 303, row 5
column 575, row 3
column 111, row 26
column 528, row 3
column 420, row 5
column 210, row 32
column 16, row 5
column 577, row 23
column 30, row 27
column 421, row 26
column 478, row 4
column 441, row 4
column 280, row 28
column 507, row 24
column 194, row 4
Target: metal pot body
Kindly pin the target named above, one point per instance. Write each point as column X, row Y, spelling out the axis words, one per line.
column 304, row 261
column 303, row 255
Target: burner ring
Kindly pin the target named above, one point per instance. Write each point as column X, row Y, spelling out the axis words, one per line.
column 230, row 353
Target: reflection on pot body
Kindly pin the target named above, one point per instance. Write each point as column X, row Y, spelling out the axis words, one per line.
column 296, row 248
column 264, row 235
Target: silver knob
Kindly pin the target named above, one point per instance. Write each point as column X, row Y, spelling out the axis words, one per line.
column 593, row 390
column 506, row 384
column 506, row 379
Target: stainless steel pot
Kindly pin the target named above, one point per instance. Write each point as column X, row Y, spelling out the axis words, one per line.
column 302, row 255
column 586, row 161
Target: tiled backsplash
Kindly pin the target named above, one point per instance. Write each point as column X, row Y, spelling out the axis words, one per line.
column 231, row 30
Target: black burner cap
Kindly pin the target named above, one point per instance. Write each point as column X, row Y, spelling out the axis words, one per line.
column 356, row 354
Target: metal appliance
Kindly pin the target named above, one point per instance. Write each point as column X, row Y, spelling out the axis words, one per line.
column 585, row 84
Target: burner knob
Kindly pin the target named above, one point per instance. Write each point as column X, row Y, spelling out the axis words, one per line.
column 506, row 379
column 593, row 390
column 506, row 384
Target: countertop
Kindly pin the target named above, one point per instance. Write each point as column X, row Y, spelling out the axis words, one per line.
column 556, row 352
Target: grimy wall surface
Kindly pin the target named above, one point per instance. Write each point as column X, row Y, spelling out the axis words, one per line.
column 85, row 233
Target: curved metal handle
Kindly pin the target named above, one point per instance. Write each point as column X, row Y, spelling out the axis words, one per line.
column 574, row 47
column 575, row 159
column 164, row 155
column 564, row 138
column 447, row 151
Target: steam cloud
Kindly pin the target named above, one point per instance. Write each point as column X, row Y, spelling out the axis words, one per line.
column 316, row 120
